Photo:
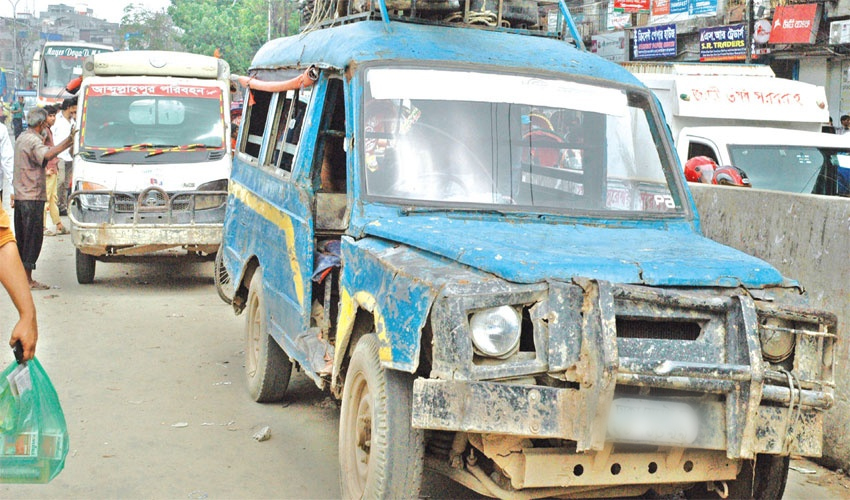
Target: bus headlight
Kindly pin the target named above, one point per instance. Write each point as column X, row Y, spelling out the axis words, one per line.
column 495, row 332
column 777, row 339
column 93, row 201
column 207, row 201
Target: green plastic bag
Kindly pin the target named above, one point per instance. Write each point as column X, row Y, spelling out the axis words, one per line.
column 33, row 434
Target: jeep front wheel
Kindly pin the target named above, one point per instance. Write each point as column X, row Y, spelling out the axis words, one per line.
column 380, row 455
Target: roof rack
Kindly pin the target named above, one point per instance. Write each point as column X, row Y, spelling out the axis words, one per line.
column 548, row 18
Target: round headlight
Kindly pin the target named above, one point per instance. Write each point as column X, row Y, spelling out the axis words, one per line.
column 777, row 340
column 495, row 332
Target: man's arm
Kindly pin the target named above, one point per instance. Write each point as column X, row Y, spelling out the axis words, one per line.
column 55, row 150
column 14, row 280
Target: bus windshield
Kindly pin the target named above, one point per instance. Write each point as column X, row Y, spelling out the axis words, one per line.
column 143, row 116
column 61, row 64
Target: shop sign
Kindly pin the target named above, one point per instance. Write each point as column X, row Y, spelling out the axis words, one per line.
column 631, row 5
column 702, row 7
column 611, row 46
column 795, row 24
column 723, row 43
column 655, row 41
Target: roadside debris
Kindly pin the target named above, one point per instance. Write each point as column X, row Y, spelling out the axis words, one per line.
column 263, row 434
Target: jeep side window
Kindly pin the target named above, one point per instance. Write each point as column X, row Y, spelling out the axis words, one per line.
column 255, row 123
column 329, row 162
column 291, row 108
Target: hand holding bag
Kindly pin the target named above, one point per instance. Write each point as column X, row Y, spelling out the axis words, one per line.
column 33, row 434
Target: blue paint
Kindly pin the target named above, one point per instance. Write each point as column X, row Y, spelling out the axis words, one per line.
column 368, row 41
column 522, row 251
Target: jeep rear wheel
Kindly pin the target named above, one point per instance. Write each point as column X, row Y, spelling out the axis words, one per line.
column 267, row 367
column 380, row 455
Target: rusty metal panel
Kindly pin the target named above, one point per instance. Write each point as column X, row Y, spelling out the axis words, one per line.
column 533, row 411
column 598, row 362
column 804, row 434
column 546, row 467
column 564, row 325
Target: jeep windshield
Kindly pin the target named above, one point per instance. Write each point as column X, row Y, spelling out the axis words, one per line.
column 150, row 120
column 459, row 138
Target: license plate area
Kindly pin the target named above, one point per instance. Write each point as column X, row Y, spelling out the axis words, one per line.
column 653, row 422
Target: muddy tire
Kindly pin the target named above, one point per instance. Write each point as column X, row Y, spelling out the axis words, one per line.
column 267, row 367
column 765, row 481
column 380, row 455
column 85, row 268
column 222, row 278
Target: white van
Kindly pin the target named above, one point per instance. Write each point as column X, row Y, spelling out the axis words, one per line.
column 152, row 157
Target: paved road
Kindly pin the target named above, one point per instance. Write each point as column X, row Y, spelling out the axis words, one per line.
column 148, row 364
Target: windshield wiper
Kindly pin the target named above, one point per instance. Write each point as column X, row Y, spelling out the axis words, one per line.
column 427, row 210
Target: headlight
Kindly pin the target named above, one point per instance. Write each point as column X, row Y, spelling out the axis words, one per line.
column 777, row 339
column 495, row 332
column 93, row 201
column 207, row 201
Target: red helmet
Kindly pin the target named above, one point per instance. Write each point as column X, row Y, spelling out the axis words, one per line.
column 700, row 169
column 730, row 176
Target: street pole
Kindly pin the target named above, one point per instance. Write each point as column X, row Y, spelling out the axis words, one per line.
column 749, row 32
column 269, row 28
column 14, row 41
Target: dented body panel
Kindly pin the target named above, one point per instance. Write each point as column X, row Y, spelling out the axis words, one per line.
column 624, row 312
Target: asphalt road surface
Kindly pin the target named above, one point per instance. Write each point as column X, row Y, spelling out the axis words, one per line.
column 147, row 362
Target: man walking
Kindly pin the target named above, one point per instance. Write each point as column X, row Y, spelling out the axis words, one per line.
column 62, row 129
column 31, row 155
column 17, row 110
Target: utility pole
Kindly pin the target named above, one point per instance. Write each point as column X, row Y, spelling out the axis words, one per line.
column 14, row 5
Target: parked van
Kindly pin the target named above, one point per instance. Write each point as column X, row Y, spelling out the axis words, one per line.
column 482, row 242
column 743, row 115
column 152, row 157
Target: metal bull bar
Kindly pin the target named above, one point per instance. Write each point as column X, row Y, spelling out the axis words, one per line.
column 153, row 200
column 742, row 382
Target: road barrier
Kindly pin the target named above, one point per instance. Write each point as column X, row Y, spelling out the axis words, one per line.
column 806, row 237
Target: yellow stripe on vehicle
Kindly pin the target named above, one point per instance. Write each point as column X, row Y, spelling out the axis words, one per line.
column 283, row 222
column 348, row 309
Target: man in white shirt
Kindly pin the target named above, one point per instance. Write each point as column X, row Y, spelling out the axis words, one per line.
column 62, row 129
column 7, row 160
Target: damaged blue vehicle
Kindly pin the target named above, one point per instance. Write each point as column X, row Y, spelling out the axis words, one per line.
column 481, row 241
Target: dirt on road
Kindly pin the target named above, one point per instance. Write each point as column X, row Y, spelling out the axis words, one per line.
column 148, row 364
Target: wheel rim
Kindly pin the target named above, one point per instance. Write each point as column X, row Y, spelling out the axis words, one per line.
column 253, row 333
column 359, row 425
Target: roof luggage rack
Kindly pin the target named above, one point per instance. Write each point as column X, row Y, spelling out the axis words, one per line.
column 548, row 18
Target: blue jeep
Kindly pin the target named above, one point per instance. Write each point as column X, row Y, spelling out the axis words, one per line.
column 482, row 242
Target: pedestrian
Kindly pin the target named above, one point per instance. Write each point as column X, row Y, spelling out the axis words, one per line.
column 845, row 125
column 31, row 155
column 62, row 129
column 7, row 157
column 17, row 110
column 52, row 172
column 14, row 280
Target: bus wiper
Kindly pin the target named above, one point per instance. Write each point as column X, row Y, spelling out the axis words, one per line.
column 139, row 145
column 173, row 148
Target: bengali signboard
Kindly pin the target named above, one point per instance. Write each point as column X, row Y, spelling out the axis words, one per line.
column 795, row 23
column 631, row 5
column 723, row 43
column 611, row 46
column 655, row 42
